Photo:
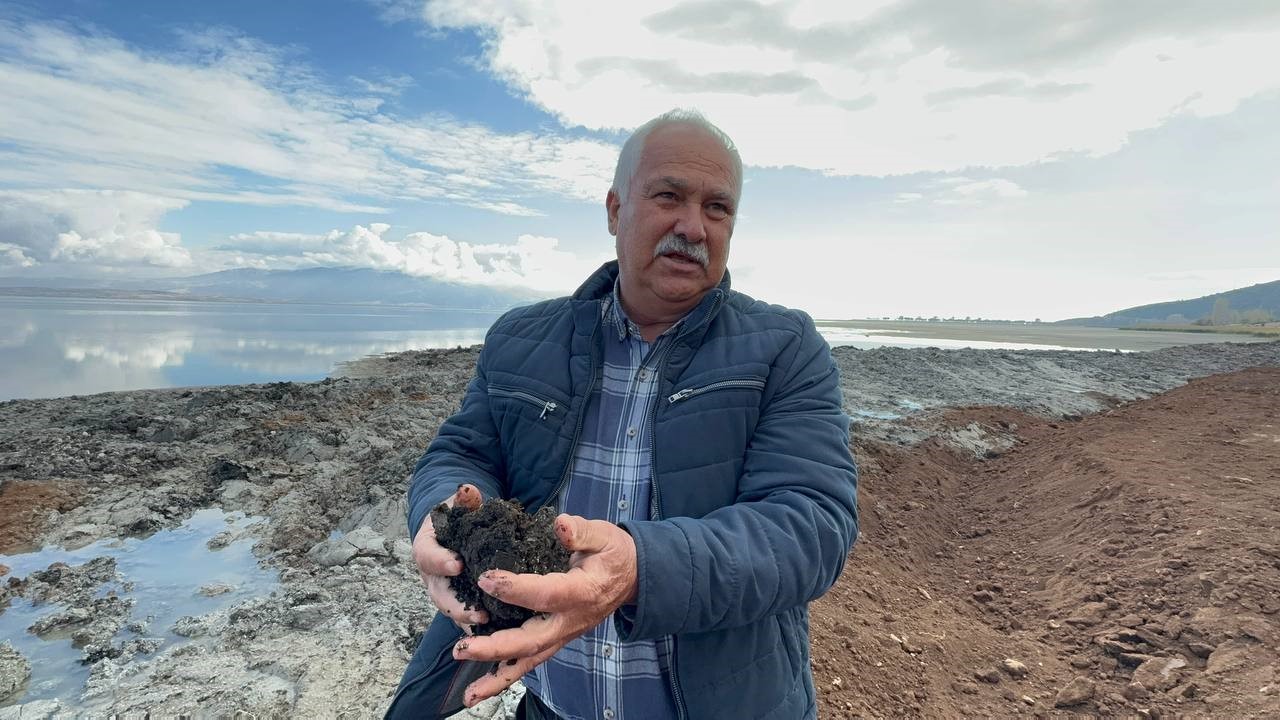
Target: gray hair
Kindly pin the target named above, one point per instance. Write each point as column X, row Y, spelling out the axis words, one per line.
column 629, row 158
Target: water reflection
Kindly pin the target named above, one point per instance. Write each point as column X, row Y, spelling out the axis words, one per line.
column 163, row 574
column 867, row 339
column 52, row 347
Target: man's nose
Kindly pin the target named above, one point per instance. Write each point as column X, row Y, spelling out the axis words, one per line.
column 690, row 225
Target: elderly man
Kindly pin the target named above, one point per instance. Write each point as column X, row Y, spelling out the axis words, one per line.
column 694, row 440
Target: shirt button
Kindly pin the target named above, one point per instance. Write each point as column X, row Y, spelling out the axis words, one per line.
column 623, row 504
column 631, row 432
column 609, row 714
column 608, row 651
column 644, row 374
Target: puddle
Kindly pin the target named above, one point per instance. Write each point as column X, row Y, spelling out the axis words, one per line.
column 166, row 570
column 873, row 414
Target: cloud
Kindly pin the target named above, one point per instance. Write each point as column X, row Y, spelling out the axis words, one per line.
column 1008, row 87
column 388, row 84
column 965, row 191
column 979, row 34
column 883, row 87
column 231, row 119
column 14, row 256
column 531, row 261
column 93, row 228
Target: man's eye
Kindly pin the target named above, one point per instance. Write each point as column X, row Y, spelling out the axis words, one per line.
column 718, row 211
column 666, row 195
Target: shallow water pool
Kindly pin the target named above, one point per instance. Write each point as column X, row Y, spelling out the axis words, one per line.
column 162, row 573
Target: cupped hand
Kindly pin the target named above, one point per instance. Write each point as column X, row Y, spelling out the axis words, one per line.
column 601, row 578
column 436, row 564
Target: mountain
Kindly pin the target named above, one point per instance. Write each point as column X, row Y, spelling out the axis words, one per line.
column 315, row 285
column 1264, row 296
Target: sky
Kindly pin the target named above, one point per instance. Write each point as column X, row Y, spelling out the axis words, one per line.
column 1041, row 159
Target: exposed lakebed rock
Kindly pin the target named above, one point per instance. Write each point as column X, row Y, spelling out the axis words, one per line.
column 499, row 535
column 14, row 671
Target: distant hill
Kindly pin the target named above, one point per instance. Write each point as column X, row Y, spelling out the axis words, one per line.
column 1264, row 296
column 315, row 285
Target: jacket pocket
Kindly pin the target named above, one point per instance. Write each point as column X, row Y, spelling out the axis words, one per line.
column 740, row 383
column 546, row 407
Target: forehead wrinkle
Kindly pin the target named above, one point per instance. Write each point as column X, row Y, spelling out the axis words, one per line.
column 675, row 182
column 678, row 183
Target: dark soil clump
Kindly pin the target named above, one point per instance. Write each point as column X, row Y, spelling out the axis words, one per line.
column 499, row 535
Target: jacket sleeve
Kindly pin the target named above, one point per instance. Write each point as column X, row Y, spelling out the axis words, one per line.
column 784, row 541
column 465, row 450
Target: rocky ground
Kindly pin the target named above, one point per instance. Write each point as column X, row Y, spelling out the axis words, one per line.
column 1033, row 541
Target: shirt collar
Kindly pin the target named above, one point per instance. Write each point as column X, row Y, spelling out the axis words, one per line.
column 614, row 315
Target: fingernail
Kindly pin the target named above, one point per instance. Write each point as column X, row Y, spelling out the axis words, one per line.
column 454, row 566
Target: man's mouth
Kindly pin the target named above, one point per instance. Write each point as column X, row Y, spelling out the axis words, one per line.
column 682, row 258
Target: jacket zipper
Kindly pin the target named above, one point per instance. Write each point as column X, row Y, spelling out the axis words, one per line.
column 546, row 405
column 655, row 504
column 577, row 430
column 722, row 384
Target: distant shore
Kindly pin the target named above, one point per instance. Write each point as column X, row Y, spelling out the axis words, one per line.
column 1052, row 334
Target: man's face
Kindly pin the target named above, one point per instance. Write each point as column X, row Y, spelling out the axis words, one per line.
column 684, row 186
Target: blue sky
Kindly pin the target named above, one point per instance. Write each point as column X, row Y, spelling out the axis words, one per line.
column 903, row 157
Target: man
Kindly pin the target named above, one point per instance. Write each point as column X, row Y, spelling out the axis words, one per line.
column 702, row 433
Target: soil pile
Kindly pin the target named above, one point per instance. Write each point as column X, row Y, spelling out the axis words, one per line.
column 1127, row 563
column 498, row 535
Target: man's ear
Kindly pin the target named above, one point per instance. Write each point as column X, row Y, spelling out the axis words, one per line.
column 611, row 204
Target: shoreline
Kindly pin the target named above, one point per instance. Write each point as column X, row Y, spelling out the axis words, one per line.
column 321, row 468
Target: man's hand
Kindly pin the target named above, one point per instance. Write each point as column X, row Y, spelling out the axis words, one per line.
column 602, row 578
column 437, row 564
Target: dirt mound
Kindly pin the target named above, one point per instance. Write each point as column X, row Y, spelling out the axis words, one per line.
column 1124, row 563
column 25, row 508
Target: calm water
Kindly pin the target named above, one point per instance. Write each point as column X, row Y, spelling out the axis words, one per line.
column 163, row 574
column 51, row 347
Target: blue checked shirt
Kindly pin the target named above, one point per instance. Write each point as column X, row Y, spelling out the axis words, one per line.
column 597, row 677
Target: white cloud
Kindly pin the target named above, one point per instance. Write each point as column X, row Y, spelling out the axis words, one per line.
column 975, row 191
column 13, row 256
column 389, row 85
column 100, row 228
column 531, row 261
column 881, row 87
column 227, row 118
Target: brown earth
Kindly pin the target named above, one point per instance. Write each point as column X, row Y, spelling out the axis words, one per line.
column 1133, row 554
column 25, row 508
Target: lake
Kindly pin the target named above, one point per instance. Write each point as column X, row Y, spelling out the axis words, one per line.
column 52, row 346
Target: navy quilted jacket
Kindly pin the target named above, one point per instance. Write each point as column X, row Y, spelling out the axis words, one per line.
column 754, row 489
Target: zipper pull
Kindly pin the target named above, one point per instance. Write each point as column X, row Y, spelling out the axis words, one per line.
column 680, row 395
column 549, row 407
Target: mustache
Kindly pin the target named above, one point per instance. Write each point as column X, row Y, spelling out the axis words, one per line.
column 673, row 243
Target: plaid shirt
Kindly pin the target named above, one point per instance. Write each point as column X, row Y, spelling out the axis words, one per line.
column 597, row 677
